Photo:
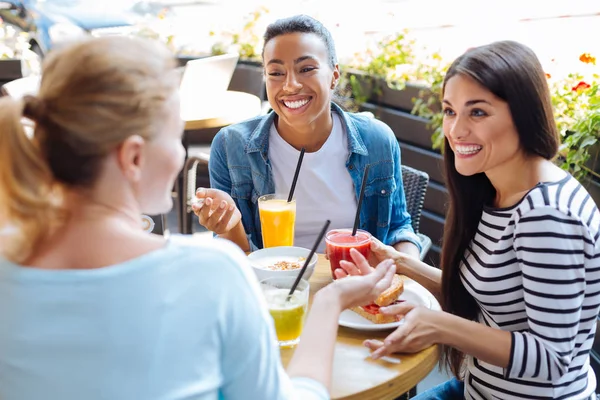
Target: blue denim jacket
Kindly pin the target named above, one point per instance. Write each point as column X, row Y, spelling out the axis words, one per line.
column 239, row 165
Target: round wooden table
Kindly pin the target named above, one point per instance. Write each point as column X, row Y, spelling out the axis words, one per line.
column 217, row 110
column 355, row 374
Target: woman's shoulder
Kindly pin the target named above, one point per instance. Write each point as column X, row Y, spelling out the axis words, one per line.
column 372, row 131
column 564, row 200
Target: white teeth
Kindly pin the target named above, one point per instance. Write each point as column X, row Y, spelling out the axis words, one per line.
column 468, row 149
column 296, row 104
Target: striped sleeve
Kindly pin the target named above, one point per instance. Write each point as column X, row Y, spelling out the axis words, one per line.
column 550, row 250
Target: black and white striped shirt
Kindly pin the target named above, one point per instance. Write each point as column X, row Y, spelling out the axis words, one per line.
column 534, row 270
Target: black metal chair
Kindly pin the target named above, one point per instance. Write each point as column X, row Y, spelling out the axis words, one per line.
column 195, row 173
column 415, row 188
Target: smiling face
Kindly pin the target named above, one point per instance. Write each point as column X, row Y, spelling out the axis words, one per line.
column 479, row 127
column 299, row 79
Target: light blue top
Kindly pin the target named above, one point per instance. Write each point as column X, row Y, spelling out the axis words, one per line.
column 183, row 322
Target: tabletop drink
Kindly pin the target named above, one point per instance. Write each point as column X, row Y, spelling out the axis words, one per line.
column 277, row 220
column 288, row 314
column 340, row 241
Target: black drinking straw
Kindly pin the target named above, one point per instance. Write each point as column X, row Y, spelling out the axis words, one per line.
column 360, row 200
column 310, row 256
column 296, row 175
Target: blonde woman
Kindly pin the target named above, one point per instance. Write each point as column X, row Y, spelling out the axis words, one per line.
column 92, row 307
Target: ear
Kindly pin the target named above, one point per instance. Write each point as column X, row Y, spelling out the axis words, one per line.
column 130, row 156
column 336, row 76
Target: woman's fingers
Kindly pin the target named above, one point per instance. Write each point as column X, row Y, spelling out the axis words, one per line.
column 349, row 268
column 339, row 273
column 360, row 261
column 205, row 211
column 373, row 344
column 398, row 309
column 225, row 213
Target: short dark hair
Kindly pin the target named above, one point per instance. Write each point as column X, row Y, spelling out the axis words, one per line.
column 513, row 73
column 302, row 24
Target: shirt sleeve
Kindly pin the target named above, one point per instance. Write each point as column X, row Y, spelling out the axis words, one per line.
column 400, row 222
column 550, row 248
column 251, row 360
column 219, row 174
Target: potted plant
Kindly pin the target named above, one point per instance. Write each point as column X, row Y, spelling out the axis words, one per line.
column 369, row 74
column 247, row 42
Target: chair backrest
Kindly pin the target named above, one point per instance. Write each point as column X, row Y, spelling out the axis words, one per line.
column 194, row 166
column 415, row 186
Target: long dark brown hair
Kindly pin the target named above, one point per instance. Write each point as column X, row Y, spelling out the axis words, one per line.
column 512, row 72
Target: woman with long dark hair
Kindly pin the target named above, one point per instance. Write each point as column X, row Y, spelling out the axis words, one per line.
column 520, row 275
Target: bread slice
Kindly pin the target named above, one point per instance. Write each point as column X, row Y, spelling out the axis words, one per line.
column 391, row 294
column 378, row 318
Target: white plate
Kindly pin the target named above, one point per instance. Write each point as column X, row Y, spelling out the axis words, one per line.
column 413, row 293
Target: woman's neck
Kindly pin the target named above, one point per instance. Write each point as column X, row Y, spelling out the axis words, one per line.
column 515, row 178
column 89, row 208
column 311, row 136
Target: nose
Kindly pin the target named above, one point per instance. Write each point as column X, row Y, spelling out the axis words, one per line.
column 459, row 128
column 291, row 84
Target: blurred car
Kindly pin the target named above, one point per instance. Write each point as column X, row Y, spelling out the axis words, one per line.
column 50, row 22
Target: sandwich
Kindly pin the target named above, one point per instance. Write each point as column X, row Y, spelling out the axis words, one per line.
column 387, row 298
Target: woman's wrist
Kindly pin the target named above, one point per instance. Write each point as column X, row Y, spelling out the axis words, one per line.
column 402, row 262
column 444, row 327
column 331, row 298
column 237, row 234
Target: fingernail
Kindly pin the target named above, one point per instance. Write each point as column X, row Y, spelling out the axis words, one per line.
column 223, row 204
column 200, row 191
column 231, row 207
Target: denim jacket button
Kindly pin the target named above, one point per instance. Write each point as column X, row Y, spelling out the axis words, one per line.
column 382, row 191
column 351, row 167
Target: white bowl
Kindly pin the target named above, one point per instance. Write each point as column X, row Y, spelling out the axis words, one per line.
column 260, row 259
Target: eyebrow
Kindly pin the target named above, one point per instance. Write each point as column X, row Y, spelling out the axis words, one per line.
column 470, row 102
column 296, row 61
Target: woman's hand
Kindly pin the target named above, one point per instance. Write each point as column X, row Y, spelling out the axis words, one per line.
column 216, row 210
column 379, row 253
column 417, row 333
column 355, row 291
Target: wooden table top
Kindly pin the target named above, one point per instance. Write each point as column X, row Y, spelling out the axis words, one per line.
column 214, row 111
column 355, row 374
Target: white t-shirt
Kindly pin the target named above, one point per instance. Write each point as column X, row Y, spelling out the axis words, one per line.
column 324, row 190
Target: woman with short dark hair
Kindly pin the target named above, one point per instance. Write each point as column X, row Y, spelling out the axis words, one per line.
column 259, row 156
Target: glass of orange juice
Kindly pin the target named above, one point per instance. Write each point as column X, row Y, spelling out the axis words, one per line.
column 287, row 313
column 277, row 220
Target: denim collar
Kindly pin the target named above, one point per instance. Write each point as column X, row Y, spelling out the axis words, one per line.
column 259, row 139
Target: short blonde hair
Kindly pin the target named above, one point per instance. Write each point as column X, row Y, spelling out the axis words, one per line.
column 93, row 95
